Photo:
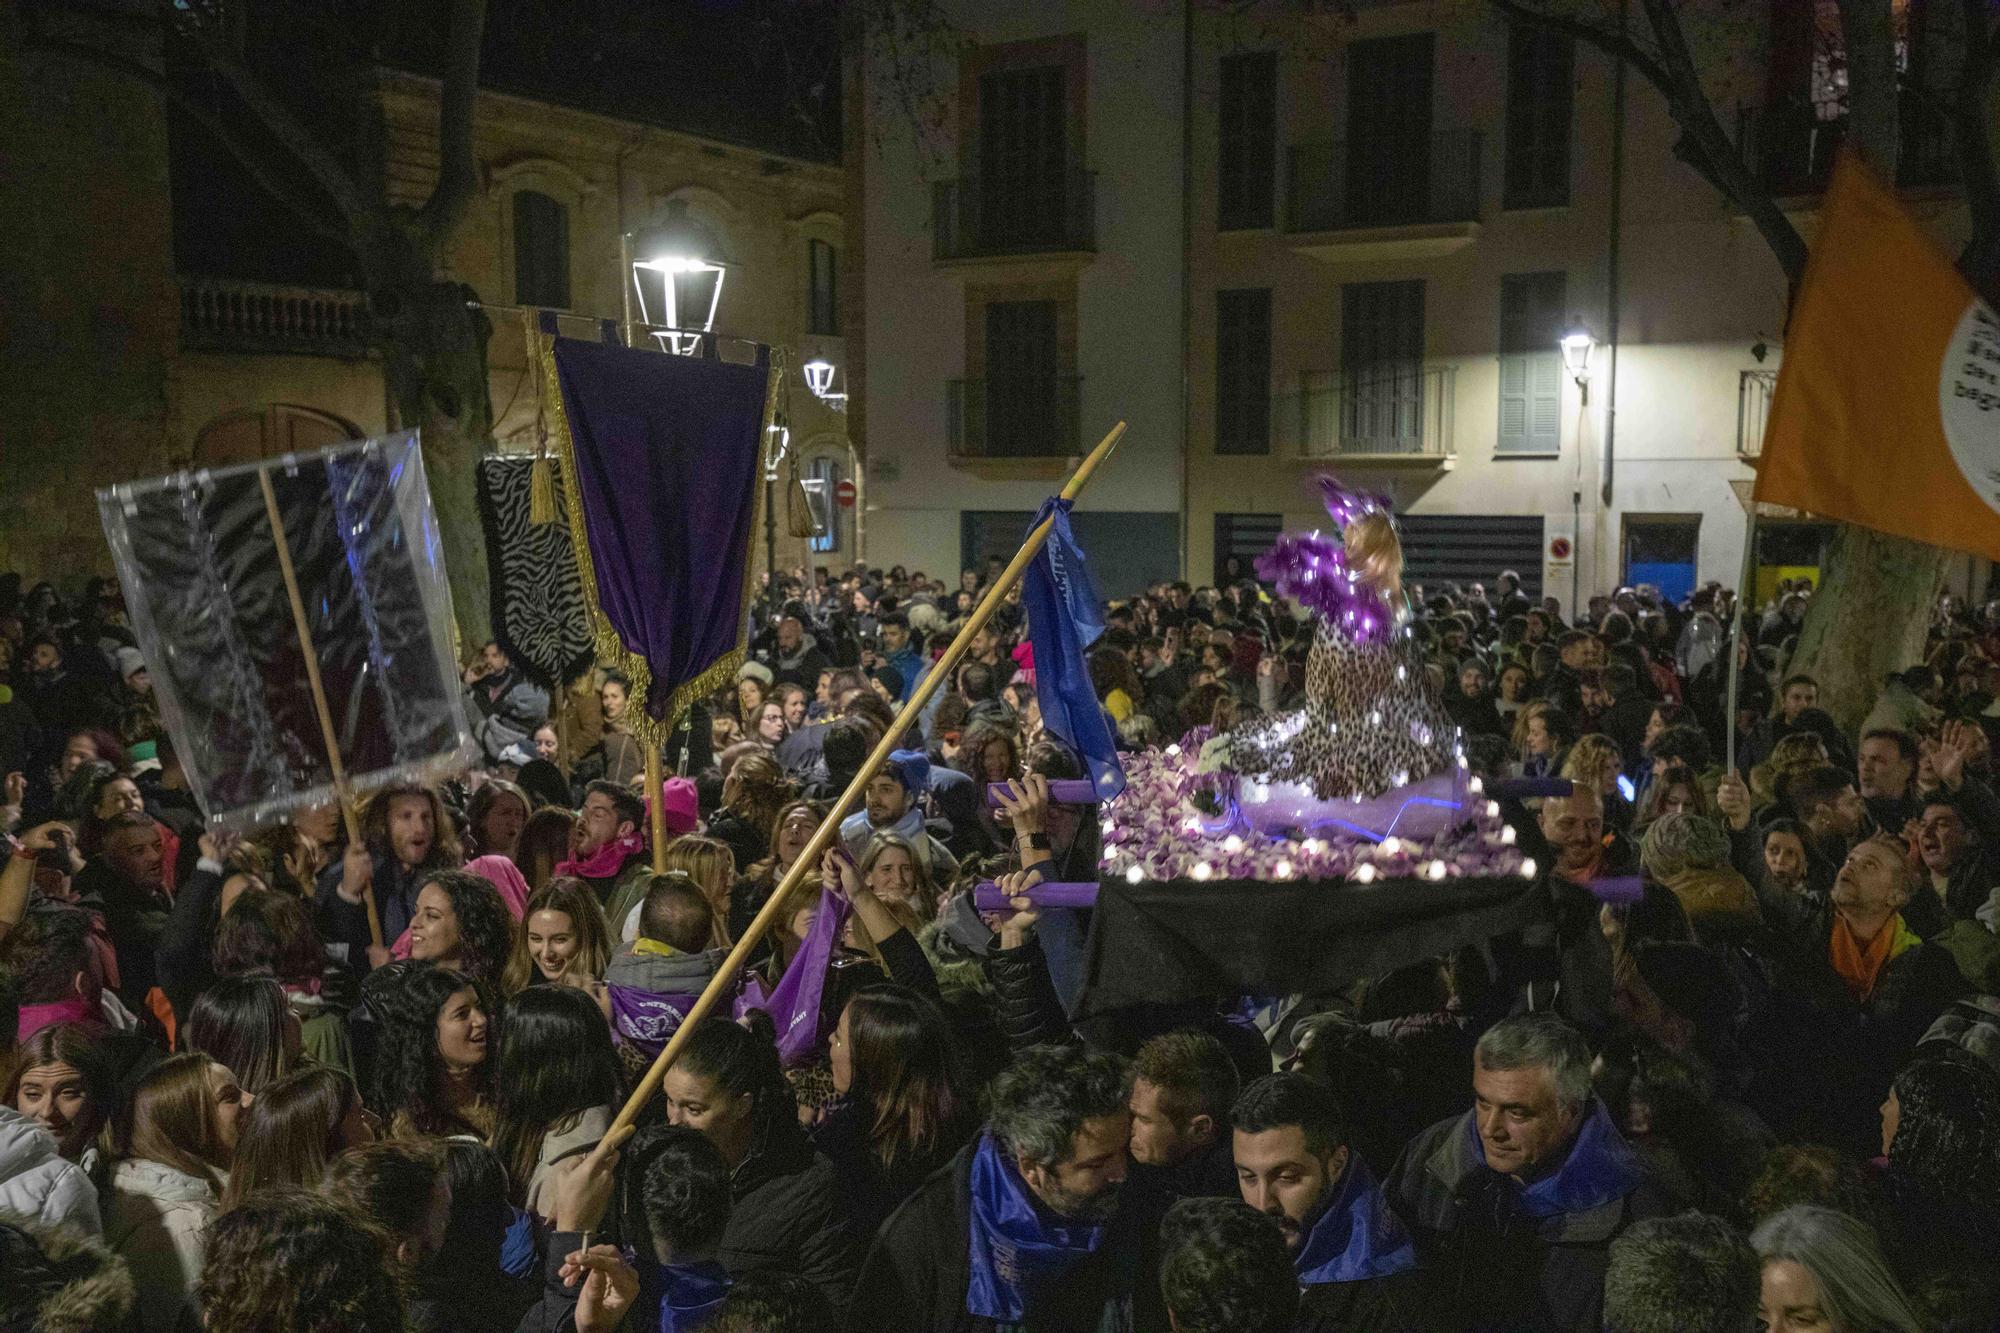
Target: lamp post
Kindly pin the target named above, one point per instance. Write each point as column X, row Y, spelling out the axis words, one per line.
column 1577, row 343
column 678, row 272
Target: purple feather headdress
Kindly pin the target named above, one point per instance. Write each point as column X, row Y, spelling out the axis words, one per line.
column 1311, row 568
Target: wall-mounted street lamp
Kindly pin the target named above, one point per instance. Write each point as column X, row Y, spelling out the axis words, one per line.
column 678, row 271
column 1577, row 343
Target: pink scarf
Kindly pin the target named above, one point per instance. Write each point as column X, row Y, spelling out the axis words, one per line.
column 71, row 1009
column 496, row 870
column 607, row 860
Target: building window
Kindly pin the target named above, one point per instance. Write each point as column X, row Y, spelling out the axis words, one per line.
column 1023, row 389
column 1243, row 371
column 1540, row 98
column 1239, row 540
column 1023, row 156
column 1248, row 130
column 541, row 251
column 1382, row 367
column 1388, row 151
column 822, row 484
column 822, row 288
column 1531, row 315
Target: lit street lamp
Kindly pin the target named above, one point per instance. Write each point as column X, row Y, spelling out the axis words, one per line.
column 684, row 288
column 1577, row 344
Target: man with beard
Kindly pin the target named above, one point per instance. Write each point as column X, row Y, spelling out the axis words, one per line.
column 1353, row 1258
column 507, row 707
column 797, row 658
column 608, row 849
column 894, row 805
column 1564, row 960
column 405, row 834
column 1032, row 1225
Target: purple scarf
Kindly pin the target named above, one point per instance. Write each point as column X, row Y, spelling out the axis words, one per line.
column 1357, row 1237
column 1600, row 1167
column 1015, row 1249
column 794, row 1002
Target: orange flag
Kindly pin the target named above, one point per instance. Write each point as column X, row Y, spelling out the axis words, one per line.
column 1887, row 408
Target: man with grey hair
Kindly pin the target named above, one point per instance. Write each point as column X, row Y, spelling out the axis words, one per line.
column 1033, row 1224
column 1688, row 1274
column 1515, row 1203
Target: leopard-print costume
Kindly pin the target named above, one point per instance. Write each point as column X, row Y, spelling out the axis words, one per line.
column 1370, row 722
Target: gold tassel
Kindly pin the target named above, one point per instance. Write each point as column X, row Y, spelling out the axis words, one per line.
column 798, row 506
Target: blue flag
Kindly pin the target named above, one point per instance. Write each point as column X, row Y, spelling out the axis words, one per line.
column 1066, row 616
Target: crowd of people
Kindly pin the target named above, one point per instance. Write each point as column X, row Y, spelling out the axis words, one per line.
column 1761, row 1092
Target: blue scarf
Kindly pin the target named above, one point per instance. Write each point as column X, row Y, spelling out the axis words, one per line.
column 1357, row 1237
column 690, row 1295
column 1600, row 1167
column 1015, row 1250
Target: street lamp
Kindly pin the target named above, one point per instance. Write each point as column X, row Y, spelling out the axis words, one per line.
column 688, row 288
column 819, row 378
column 1577, row 345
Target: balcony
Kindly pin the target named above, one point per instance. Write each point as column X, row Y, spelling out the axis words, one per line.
column 1383, row 414
column 1753, row 410
column 1012, row 217
column 1021, row 417
column 1790, row 147
column 226, row 315
column 1353, row 200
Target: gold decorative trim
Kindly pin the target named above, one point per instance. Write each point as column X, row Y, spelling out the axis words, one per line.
column 610, row 647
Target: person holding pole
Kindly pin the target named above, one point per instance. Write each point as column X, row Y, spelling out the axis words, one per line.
column 405, row 834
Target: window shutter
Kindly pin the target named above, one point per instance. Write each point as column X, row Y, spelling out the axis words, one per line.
column 1514, row 407
column 1545, row 402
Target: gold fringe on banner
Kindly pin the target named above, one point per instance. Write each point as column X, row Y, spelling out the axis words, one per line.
column 611, row 650
column 541, row 474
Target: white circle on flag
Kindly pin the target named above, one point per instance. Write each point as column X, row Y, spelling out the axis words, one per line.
column 1969, row 400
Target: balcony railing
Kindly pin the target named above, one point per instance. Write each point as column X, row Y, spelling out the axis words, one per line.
column 1018, row 417
column 1790, row 147
column 990, row 216
column 225, row 315
column 1379, row 183
column 1383, row 411
column 1753, row 410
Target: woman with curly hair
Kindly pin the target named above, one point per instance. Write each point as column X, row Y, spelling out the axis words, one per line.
column 1941, row 1187
column 562, row 940
column 297, row 1126
column 461, row 922
column 432, row 1075
column 290, row 1261
column 989, row 751
column 752, row 795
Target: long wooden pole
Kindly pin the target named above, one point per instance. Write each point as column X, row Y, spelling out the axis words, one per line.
column 284, row 545
column 815, row 848
column 656, row 808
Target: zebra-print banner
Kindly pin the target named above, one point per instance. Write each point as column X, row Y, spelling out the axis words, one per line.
column 538, row 613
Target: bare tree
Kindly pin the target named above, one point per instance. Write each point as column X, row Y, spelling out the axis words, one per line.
column 1870, row 579
column 432, row 341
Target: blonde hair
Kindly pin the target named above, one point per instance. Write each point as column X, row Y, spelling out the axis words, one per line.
column 1533, row 708
column 1373, row 551
column 573, row 898
column 712, row 866
column 1592, row 758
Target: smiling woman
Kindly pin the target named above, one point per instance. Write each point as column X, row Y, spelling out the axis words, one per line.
column 460, row 921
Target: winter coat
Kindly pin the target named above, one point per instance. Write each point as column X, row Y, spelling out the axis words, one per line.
column 789, row 1217
column 801, row 666
column 1024, row 998
column 918, row 1270
column 1392, row 1304
column 1499, row 1271
column 156, row 1219
column 507, row 711
column 559, row 1145
column 58, row 1280
column 38, row 1186
column 136, row 920
column 869, row 1190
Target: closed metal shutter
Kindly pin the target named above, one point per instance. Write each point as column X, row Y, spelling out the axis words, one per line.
column 1126, row 551
column 1245, row 536
column 1472, row 548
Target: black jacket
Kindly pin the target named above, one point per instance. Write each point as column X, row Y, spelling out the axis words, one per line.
column 1024, row 998
column 1394, row 1304
column 917, row 1273
column 868, row 1190
column 789, row 1217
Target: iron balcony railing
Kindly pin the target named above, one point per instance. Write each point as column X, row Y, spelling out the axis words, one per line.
column 227, row 315
column 1393, row 410
column 1377, row 182
column 996, row 215
column 1790, row 146
column 1028, row 416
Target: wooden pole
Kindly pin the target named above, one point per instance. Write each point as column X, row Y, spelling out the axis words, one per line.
column 656, row 808
column 815, row 848
column 284, row 546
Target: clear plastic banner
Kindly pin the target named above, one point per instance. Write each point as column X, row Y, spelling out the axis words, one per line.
column 197, row 555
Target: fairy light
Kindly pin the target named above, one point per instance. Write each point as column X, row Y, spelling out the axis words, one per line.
column 1435, row 870
column 1232, row 844
column 1203, row 871
column 1528, row 868
column 1313, row 847
column 1134, row 875
column 1174, row 751
column 1365, row 874
column 1507, row 836
column 1283, row 870
column 1493, row 809
column 1391, row 845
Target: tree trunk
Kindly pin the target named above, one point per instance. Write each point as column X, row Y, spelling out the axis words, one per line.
column 1872, row 611
column 434, row 358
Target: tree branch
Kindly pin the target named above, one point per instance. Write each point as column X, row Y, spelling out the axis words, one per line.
column 458, row 168
column 311, row 212
column 362, row 217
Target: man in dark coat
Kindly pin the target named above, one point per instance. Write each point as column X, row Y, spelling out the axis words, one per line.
column 1032, row 1225
column 1514, row 1204
column 1183, row 1084
column 1353, row 1259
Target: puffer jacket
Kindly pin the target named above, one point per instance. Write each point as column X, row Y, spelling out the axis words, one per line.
column 1024, row 999
column 59, row 1280
column 37, row 1186
column 156, row 1219
column 787, row 1217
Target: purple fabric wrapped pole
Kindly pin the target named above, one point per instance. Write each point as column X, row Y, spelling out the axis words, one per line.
column 986, row 896
column 666, row 453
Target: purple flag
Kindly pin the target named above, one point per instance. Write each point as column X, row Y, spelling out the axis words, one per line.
column 794, row 1003
column 646, row 1020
